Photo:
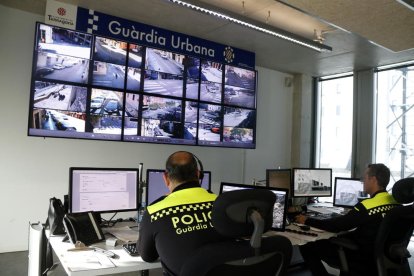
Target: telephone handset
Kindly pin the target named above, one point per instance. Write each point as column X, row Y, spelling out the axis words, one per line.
column 83, row 227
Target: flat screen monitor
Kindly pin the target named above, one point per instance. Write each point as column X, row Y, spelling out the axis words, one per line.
column 279, row 209
column 308, row 182
column 279, row 178
column 103, row 190
column 92, row 87
column 156, row 186
column 348, row 192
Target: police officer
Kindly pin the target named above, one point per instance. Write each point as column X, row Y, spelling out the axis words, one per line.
column 365, row 217
column 174, row 226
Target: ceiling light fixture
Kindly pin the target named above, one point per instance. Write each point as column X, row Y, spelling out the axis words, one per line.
column 277, row 33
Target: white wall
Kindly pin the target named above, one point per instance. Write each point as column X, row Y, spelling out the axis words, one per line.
column 33, row 169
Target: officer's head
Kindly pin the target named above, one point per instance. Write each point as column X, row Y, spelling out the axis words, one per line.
column 377, row 177
column 181, row 166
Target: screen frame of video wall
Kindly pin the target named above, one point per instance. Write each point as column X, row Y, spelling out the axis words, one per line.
column 92, row 87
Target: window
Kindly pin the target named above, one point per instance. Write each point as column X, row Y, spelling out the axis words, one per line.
column 395, row 121
column 334, row 125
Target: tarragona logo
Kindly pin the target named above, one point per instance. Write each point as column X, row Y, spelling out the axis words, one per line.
column 61, row 11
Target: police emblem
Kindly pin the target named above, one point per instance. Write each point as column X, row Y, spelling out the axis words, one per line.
column 228, row 54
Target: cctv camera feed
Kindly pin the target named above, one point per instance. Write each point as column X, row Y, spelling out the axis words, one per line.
column 209, row 123
column 238, row 125
column 94, row 87
column 161, row 119
column 58, row 107
column 109, row 63
column 211, row 80
column 279, row 209
column 163, row 73
column 134, row 67
column 312, row 182
column 62, row 54
column 239, row 89
column 131, row 115
column 106, row 109
column 193, row 77
column 348, row 192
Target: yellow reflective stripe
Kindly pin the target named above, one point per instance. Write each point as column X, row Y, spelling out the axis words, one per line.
column 186, row 196
column 380, row 199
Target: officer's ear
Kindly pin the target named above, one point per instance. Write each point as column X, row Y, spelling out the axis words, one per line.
column 166, row 179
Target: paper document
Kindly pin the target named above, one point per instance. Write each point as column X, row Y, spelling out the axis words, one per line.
column 85, row 260
column 124, row 233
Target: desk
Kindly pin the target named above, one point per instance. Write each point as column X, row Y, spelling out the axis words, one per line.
column 125, row 263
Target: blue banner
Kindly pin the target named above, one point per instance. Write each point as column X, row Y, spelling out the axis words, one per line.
column 101, row 24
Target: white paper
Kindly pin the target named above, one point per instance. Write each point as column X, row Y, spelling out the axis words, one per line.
column 84, row 260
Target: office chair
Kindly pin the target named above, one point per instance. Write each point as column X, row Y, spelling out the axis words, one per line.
column 391, row 254
column 242, row 216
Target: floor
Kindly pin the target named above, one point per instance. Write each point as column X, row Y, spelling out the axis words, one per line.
column 15, row 264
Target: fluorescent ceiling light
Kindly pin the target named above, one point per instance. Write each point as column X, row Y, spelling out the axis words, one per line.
column 280, row 34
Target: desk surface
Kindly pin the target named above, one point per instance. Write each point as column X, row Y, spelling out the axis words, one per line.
column 125, row 262
column 300, row 239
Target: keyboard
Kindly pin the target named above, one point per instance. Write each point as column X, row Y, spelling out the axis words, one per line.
column 131, row 249
column 325, row 216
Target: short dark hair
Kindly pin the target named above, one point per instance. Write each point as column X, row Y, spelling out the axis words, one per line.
column 181, row 166
column 381, row 172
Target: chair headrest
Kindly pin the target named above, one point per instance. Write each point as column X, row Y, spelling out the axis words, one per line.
column 231, row 211
column 403, row 190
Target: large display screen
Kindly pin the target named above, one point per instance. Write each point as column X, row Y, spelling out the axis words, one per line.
column 93, row 87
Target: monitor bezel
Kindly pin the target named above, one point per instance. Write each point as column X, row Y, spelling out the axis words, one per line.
column 71, row 171
column 162, row 171
column 334, row 190
column 292, row 187
column 268, row 171
column 247, row 186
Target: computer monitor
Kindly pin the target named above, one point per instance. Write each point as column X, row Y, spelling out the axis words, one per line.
column 280, row 207
column 308, row 182
column 279, row 178
column 103, row 190
column 156, row 185
column 348, row 192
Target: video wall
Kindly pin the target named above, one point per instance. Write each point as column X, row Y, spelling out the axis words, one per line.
column 91, row 87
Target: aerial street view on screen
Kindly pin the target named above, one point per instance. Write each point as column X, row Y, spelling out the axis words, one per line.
column 164, row 73
column 94, row 87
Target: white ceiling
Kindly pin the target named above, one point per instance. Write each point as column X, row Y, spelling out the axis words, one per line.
column 351, row 49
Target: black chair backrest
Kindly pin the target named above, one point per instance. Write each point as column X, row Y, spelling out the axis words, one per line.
column 232, row 217
column 395, row 231
column 231, row 211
